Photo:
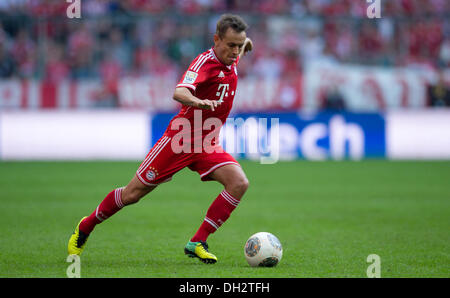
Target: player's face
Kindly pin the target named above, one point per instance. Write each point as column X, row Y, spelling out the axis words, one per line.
column 228, row 48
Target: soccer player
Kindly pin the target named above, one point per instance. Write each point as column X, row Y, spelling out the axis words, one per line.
column 206, row 92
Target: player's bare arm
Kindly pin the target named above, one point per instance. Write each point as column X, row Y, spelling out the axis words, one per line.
column 185, row 97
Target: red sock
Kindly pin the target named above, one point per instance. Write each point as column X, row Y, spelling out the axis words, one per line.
column 110, row 205
column 217, row 214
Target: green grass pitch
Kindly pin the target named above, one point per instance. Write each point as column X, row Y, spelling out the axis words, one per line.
column 329, row 216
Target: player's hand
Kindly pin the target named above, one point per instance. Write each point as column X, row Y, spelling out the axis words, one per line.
column 208, row 104
column 248, row 45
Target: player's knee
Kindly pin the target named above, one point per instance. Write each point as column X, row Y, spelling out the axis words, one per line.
column 131, row 196
column 135, row 191
column 240, row 186
column 245, row 184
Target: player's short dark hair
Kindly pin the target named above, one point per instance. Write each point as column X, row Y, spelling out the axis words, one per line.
column 234, row 22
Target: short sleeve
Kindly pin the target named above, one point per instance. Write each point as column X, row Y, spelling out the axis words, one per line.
column 196, row 74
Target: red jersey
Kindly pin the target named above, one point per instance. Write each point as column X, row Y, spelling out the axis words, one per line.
column 207, row 78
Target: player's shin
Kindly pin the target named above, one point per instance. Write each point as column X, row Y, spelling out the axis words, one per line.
column 219, row 211
column 108, row 207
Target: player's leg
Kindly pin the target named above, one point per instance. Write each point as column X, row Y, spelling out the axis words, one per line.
column 223, row 168
column 235, row 183
column 158, row 167
column 111, row 204
column 233, row 178
column 115, row 201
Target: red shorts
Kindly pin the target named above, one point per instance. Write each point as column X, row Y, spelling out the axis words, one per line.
column 161, row 163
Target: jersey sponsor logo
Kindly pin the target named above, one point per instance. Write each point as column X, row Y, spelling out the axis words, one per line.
column 222, row 91
column 190, row 77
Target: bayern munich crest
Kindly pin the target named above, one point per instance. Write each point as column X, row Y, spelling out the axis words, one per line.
column 151, row 174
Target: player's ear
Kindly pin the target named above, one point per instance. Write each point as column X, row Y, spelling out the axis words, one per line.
column 216, row 39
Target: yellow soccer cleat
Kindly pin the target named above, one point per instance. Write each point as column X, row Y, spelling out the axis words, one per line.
column 200, row 250
column 77, row 241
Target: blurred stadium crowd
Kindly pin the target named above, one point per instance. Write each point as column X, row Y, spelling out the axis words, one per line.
column 161, row 37
column 142, row 37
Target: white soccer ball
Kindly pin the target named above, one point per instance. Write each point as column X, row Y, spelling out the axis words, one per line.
column 263, row 249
